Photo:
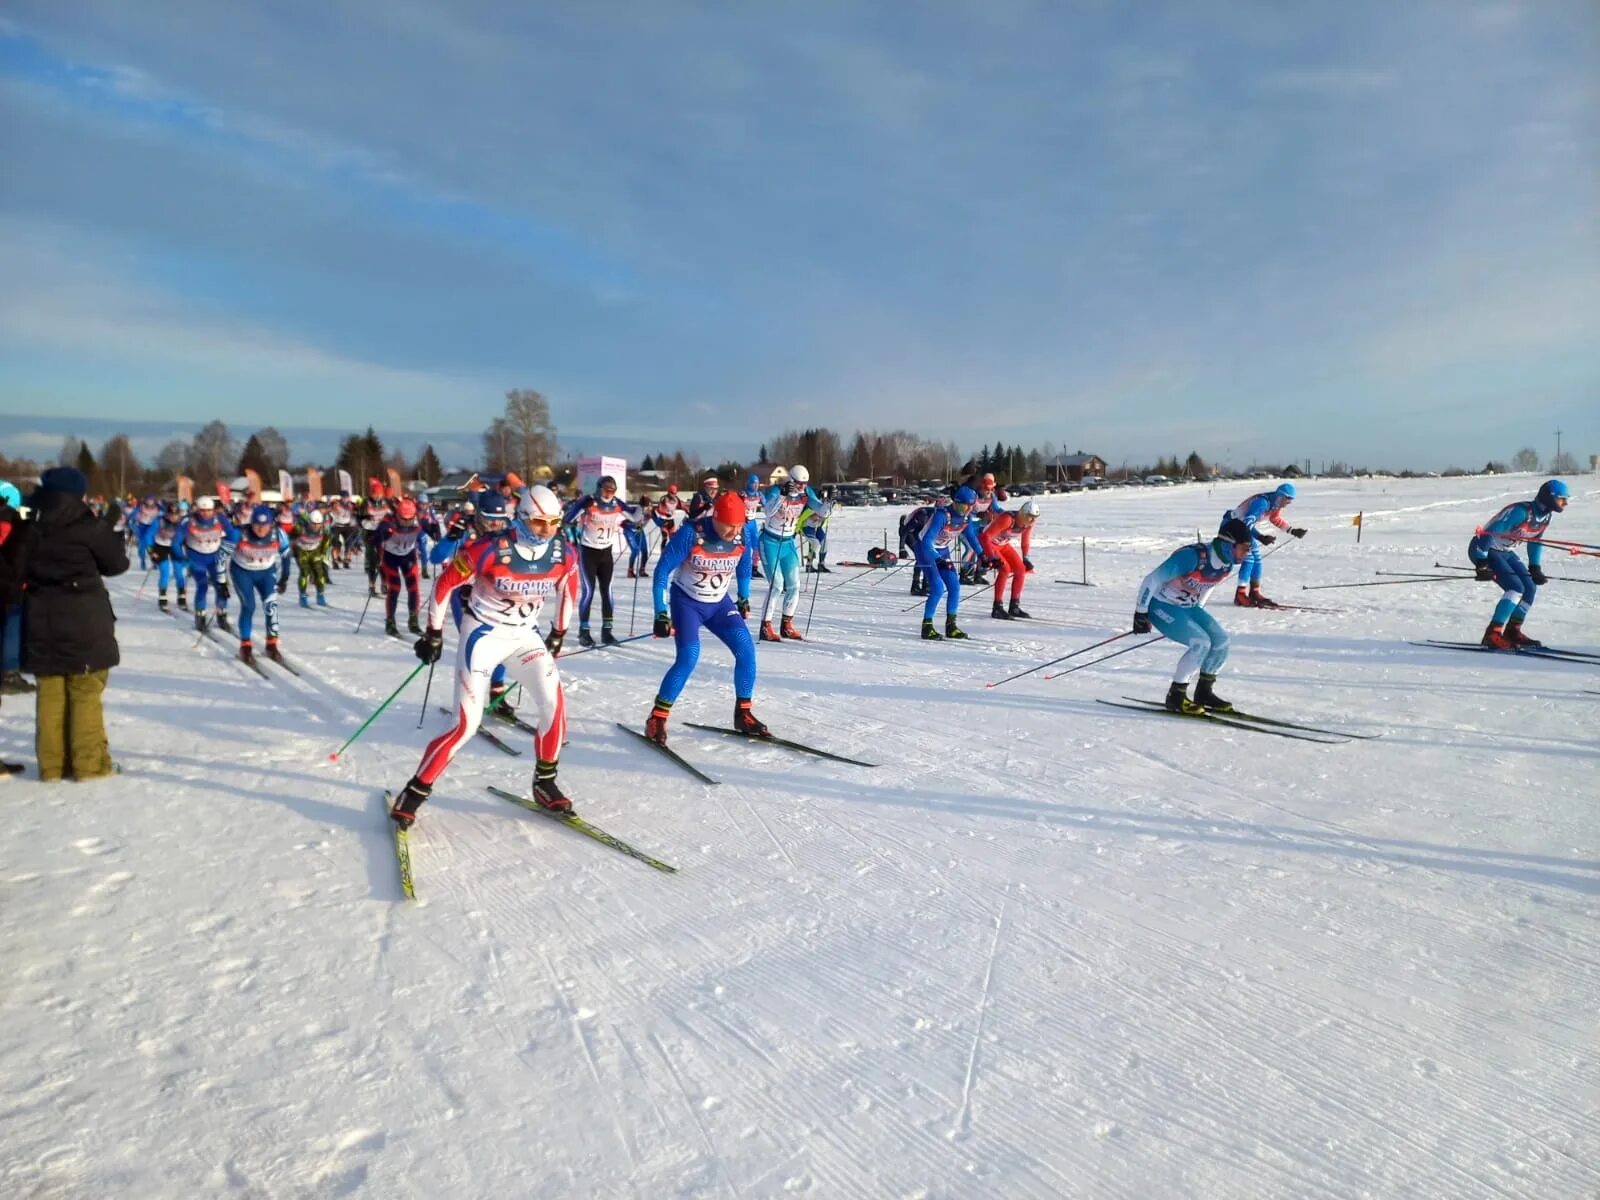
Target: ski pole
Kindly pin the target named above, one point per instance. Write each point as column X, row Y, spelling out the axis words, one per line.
column 1318, row 587
column 1106, row 642
column 634, row 612
column 1563, row 578
column 144, row 581
column 816, row 583
column 1095, row 662
column 334, row 757
column 897, row 566
column 364, row 607
column 833, row 587
column 427, row 687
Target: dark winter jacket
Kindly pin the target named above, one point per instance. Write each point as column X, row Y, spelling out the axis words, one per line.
column 68, row 626
column 12, row 559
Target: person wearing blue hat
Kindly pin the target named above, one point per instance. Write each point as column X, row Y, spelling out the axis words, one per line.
column 1493, row 553
column 1266, row 506
column 946, row 529
column 12, row 682
column 69, row 628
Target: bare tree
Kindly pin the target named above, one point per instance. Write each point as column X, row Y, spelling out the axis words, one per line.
column 175, row 457
column 273, row 447
column 119, row 463
column 524, row 435
column 1564, row 464
column 215, row 450
column 1526, row 459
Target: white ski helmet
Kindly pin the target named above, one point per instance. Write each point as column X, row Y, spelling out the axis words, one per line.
column 1029, row 508
column 205, row 504
column 538, row 503
column 799, row 474
column 314, row 516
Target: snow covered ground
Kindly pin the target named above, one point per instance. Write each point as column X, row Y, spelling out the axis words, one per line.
column 1047, row 949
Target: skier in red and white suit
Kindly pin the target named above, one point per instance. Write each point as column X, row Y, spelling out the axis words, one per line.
column 1000, row 547
column 512, row 574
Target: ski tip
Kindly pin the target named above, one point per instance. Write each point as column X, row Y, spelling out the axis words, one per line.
column 334, row 757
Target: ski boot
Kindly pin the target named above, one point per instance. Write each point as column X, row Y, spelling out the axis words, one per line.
column 1516, row 637
column 413, row 625
column 305, row 600
column 788, row 630
column 1016, row 611
column 632, row 574
column 183, row 601
column 655, row 725
column 1257, row 600
column 768, row 633
column 322, row 600
column 246, row 653
column 273, row 652
column 1178, row 701
column 1241, row 597
column 999, row 612
column 1496, row 638
column 390, row 628
column 200, row 619
column 547, row 793
column 929, row 633
column 747, row 722
column 497, row 706
column 607, row 638
column 824, row 568
column 222, row 621
column 1208, row 699
column 951, row 632
column 585, row 638
column 161, row 602
column 13, row 684
column 412, row 797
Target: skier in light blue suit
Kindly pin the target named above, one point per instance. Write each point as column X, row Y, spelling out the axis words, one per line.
column 690, row 588
column 1172, row 600
column 784, row 502
column 946, row 529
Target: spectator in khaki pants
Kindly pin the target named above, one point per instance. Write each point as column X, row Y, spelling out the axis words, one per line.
column 69, row 630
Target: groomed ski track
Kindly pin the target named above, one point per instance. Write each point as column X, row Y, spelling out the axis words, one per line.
column 1048, row 949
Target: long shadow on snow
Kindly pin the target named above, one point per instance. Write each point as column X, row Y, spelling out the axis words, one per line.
column 1217, row 830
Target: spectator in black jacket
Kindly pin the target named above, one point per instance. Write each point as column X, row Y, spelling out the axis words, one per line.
column 69, row 630
column 11, row 564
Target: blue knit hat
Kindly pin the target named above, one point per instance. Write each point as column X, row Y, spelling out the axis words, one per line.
column 64, row 479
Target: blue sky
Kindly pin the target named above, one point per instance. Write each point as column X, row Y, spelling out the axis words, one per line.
column 1358, row 230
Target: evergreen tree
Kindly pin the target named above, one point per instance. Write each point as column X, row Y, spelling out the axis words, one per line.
column 255, row 459
column 648, row 464
column 428, row 468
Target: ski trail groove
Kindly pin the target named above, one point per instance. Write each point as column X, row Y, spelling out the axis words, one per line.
column 963, row 1126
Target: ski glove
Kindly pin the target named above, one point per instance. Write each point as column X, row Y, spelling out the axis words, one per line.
column 1484, row 573
column 1266, row 539
column 1141, row 622
column 744, row 608
column 1297, row 533
column 430, row 646
column 1538, row 575
column 1027, row 562
column 554, row 640
column 663, row 624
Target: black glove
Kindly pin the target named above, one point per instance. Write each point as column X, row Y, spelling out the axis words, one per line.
column 458, row 524
column 1266, row 539
column 905, row 553
column 1297, row 533
column 222, row 590
column 662, row 627
column 744, row 607
column 283, row 586
column 1027, row 562
column 430, row 646
column 1484, row 573
column 554, row 640
column 1141, row 622
column 1539, row 576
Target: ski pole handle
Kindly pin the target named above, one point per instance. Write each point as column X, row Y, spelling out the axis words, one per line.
column 334, row 757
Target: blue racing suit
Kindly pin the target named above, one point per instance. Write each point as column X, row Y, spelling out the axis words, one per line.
column 1174, row 596
column 1496, row 544
column 1263, row 505
column 700, row 568
column 253, row 567
column 944, row 531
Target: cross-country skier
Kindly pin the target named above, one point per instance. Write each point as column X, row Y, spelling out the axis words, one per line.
column 511, row 574
column 700, row 503
column 313, row 552
column 754, row 513
column 401, row 542
column 346, row 532
column 1172, row 600
column 946, row 529
column 167, row 552
column 1268, row 505
column 814, row 529
column 783, row 503
column 202, row 535
column 253, row 566
column 1011, row 564
column 598, row 519
column 373, row 514
column 489, row 519
column 987, row 504
column 145, row 519
column 1493, row 553
column 691, row 591
column 911, row 529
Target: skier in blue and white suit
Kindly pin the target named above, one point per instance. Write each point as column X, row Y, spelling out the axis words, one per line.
column 1172, row 599
column 690, row 590
column 1494, row 555
column 253, row 566
column 784, row 502
column 1263, row 506
column 202, row 535
column 946, row 529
